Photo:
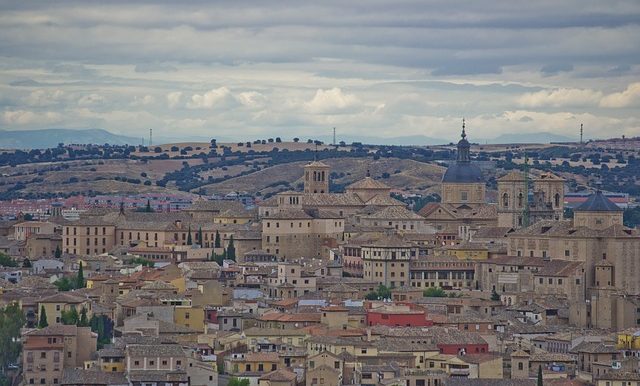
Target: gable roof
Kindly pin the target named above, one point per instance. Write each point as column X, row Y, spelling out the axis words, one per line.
column 368, row 183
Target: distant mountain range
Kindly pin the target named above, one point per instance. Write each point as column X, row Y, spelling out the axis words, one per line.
column 531, row 138
column 47, row 138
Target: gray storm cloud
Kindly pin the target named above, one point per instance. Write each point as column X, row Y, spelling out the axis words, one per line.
column 294, row 68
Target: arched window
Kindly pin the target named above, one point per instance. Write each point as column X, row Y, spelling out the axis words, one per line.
column 520, row 200
column 557, row 200
column 505, row 200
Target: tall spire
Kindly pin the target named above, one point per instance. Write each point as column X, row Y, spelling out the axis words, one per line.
column 463, row 146
column 463, row 135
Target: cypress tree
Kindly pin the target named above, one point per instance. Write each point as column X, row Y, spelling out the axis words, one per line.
column 83, row 322
column 217, row 242
column 200, row 240
column 231, row 249
column 43, row 318
column 540, row 382
column 80, row 278
column 58, row 252
column 148, row 208
column 189, row 240
column 100, row 328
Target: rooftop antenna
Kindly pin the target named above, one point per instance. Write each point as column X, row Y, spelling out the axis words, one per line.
column 581, row 131
column 334, row 136
column 150, row 137
column 525, row 211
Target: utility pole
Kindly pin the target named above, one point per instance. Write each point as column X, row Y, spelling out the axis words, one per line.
column 150, row 137
column 581, row 131
column 334, row 136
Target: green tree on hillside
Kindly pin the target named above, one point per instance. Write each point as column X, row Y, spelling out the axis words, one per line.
column 382, row 292
column 238, row 382
column 65, row 284
column 434, row 292
column 70, row 317
column 7, row 261
column 11, row 321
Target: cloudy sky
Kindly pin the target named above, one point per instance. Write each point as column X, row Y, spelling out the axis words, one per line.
column 247, row 69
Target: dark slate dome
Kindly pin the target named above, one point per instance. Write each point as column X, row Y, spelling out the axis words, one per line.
column 598, row 202
column 463, row 171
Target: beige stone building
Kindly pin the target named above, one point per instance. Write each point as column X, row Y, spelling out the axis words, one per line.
column 368, row 188
column 463, row 183
column 463, row 208
column 514, row 207
column 60, row 302
column 48, row 351
column 598, row 212
column 310, row 223
column 316, row 177
column 290, row 280
column 609, row 253
column 98, row 234
column 398, row 218
column 42, row 245
column 442, row 271
column 294, row 232
column 386, row 260
column 91, row 235
column 23, row 230
column 324, row 368
column 462, row 221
